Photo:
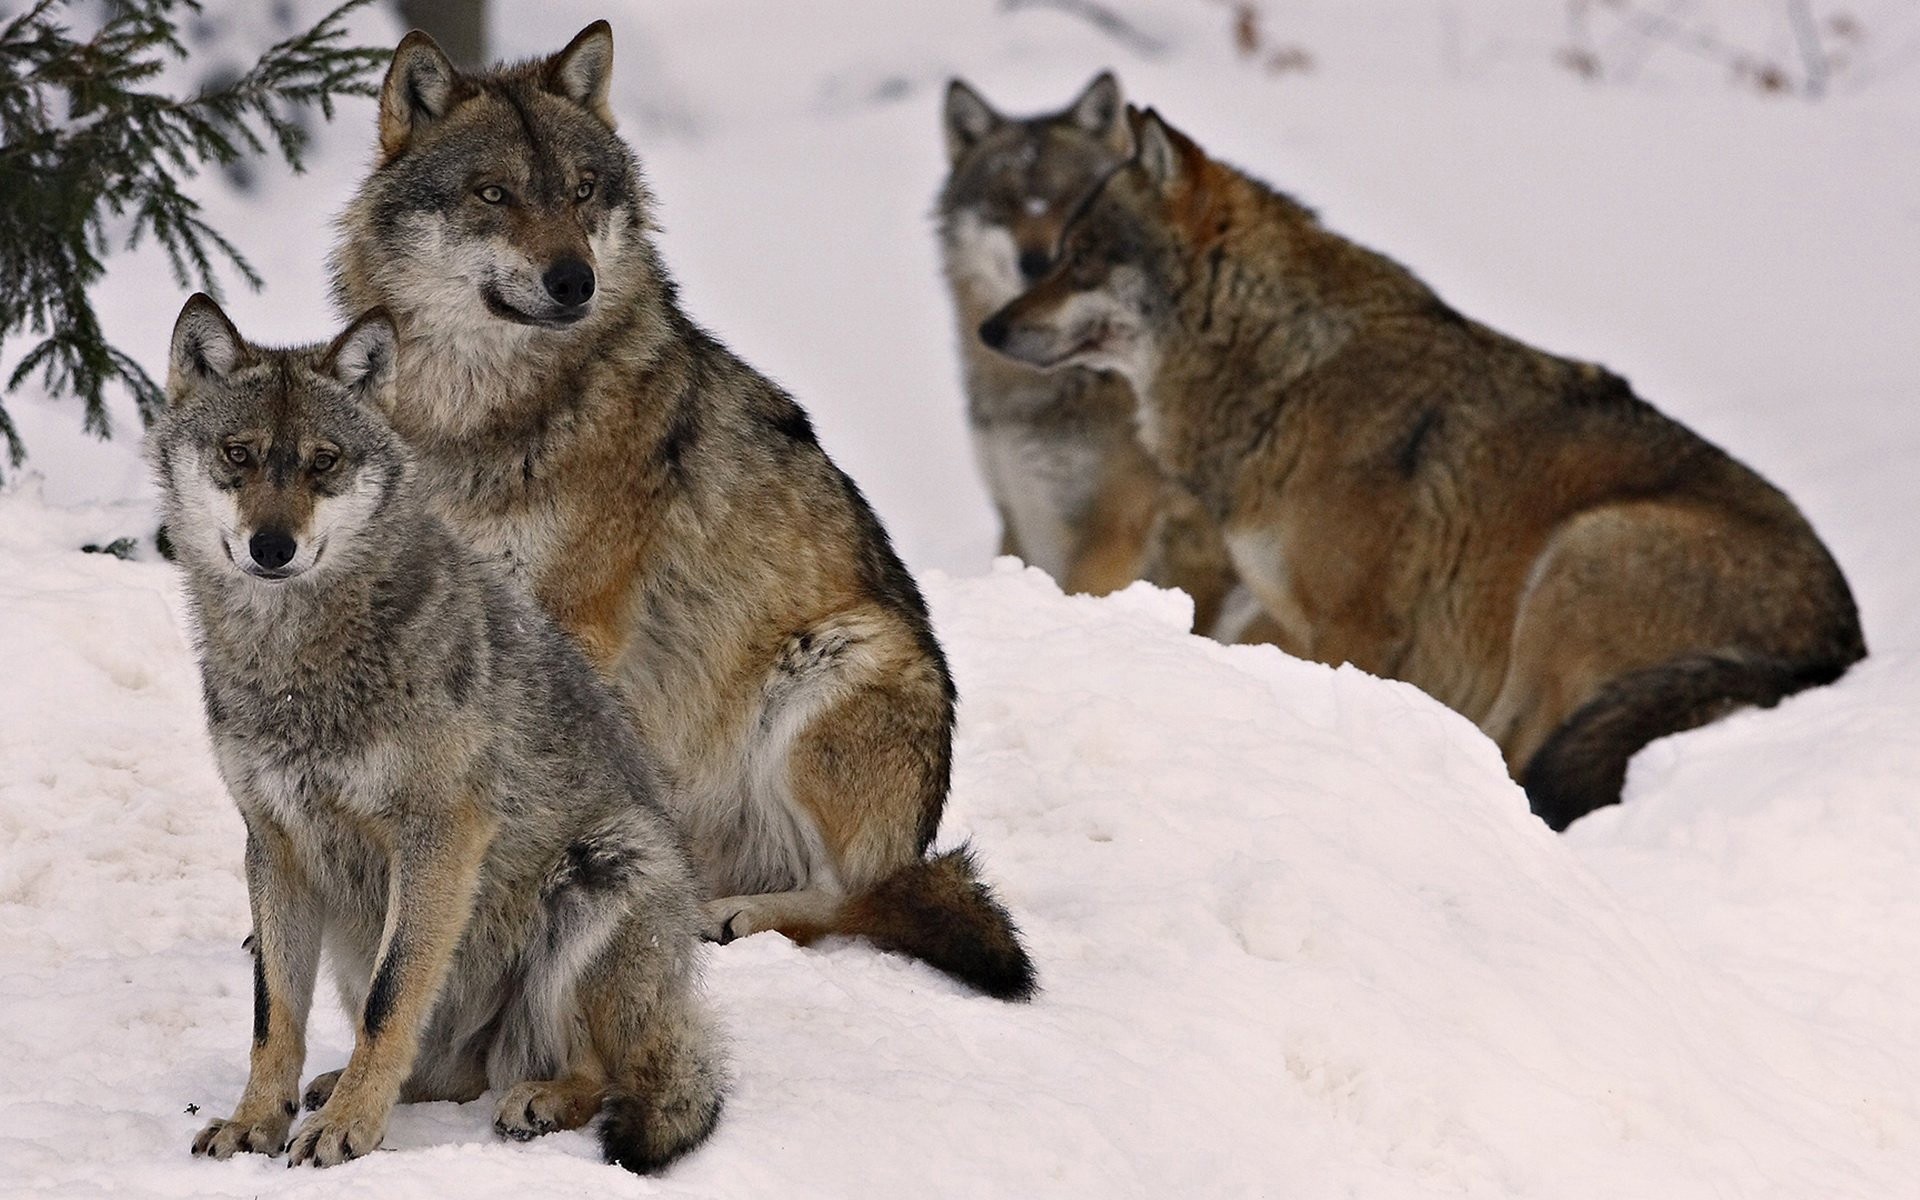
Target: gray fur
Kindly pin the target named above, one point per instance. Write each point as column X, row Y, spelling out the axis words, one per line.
column 365, row 710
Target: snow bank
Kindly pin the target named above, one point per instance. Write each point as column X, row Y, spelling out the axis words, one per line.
column 1297, row 931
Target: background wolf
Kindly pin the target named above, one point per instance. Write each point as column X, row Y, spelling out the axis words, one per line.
column 1407, row 490
column 669, row 505
column 1077, row 495
column 435, row 784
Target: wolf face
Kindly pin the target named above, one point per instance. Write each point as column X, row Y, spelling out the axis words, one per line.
column 1014, row 182
column 503, row 205
column 1105, row 299
column 273, row 462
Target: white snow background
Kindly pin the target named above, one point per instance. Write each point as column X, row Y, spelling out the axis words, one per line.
column 1298, row 935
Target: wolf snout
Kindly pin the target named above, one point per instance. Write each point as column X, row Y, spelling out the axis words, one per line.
column 994, row 331
column 272, row 549
column 569, row 282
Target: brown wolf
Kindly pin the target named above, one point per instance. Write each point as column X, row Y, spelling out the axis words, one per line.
column 1077, row 495
column 669, row 505
column 435, row 784
column 1409, row 491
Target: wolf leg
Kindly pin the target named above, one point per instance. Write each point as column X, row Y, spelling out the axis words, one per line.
column 436, row 865
column 286, row 955
column 665, row 1072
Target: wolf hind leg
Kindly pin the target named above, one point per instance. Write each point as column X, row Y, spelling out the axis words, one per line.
column 804, row 915
column 541, row 1106
column 665, row 1072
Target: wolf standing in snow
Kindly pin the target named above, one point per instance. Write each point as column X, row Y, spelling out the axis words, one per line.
column 1409, row 491
column 434, row 782
column 1077, row 495
column 669, row 505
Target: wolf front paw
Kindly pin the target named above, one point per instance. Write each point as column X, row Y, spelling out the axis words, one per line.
column 224, row 1139
column 329, row 1137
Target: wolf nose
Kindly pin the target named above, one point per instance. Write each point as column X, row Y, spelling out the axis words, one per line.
column 1034, row 264
column 271, row 549
column 993, row 331
column 569, row 282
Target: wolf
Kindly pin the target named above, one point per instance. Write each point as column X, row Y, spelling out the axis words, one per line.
column 669, row 506
column 1407, row 490
column 1076, row 494
column 436, row 786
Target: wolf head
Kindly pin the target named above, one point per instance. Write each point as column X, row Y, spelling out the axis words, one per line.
column 274, row 463
column 502, row 205
column 1110, row 295
column 1014, row 182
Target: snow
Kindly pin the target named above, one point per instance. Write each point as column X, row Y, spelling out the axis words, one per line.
column 1297, row 932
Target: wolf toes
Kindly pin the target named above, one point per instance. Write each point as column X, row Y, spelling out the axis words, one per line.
column 320, row 1091
column 224, row 1139
column 328, row 1139
column 725, row 919
column 531, row 1109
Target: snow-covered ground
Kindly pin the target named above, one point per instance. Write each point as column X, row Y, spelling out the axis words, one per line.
column 1298, row 934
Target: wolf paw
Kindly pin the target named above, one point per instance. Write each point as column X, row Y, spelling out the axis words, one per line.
column 329, row 1138
column 224, row 1139
column 727, row 918
column 531, row 1109
column 319, row 1091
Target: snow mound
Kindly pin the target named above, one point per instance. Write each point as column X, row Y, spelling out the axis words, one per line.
column 1298, row 935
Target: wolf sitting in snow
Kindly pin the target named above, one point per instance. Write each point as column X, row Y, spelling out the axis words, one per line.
column 1409, row 491
column 669, row 506
column 1077, row 495
column 435, row 784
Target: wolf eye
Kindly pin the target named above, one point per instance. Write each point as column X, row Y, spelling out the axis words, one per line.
column 237, row 455
column 584, row 191
column 323, row 461
column 493, row 193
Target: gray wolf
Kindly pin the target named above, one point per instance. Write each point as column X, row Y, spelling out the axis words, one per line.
column 1404, row 489
column 1076, row 494
column 435, row 785
column 668, row 505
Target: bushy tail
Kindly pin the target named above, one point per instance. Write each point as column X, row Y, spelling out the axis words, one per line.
column 938, row 911
column 666, row 1098
column 1583, row 765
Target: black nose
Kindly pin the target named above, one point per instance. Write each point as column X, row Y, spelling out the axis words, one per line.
column 569, row 282
column 993, row 331
column 1034, row 263
column 271, row 549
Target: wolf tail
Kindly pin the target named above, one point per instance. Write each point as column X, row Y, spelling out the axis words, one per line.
column 938, row 911
column 1583, row 764
column 665, row 1098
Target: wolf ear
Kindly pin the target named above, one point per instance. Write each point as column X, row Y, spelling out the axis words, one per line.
column 968, row 119
column 418, row 91
column 362, row 357
column 205, row 346
column 584, row 70
column 1100, row 112
column 1155, row 149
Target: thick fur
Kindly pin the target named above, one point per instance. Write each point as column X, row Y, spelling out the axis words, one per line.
column 1077, row 495
column 436, row 786
column 1409, row 491
column 667, row 504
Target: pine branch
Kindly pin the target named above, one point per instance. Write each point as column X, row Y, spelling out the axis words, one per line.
column 82, row 142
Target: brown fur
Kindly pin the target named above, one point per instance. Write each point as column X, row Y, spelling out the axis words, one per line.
column 665, row 502
column 1414, row 493
column 1057, row 448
